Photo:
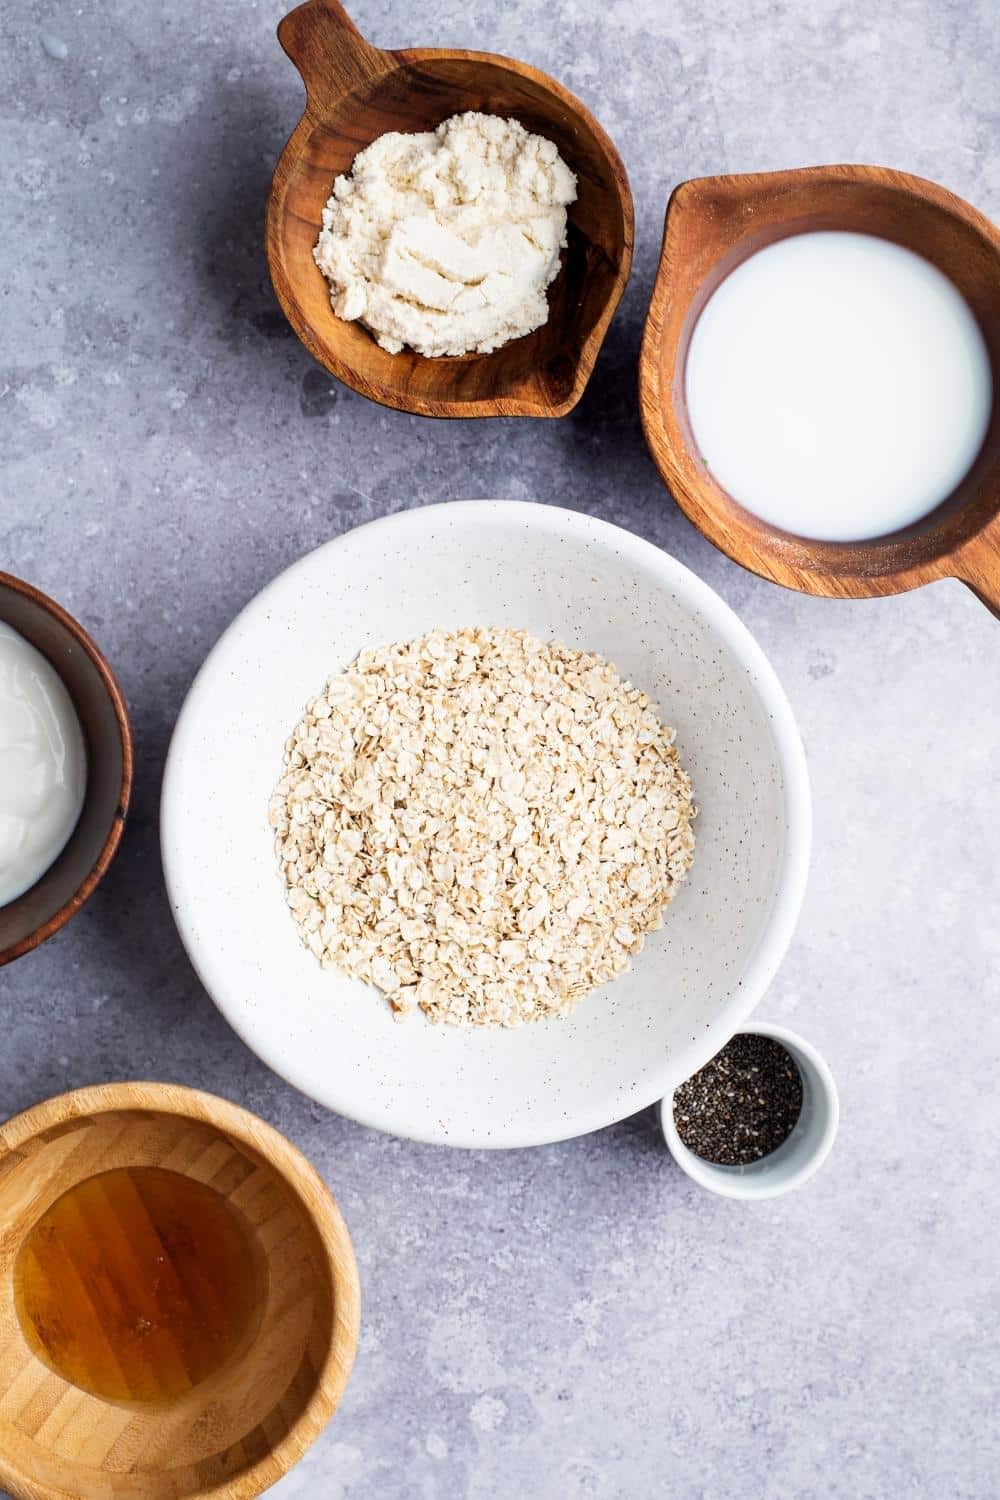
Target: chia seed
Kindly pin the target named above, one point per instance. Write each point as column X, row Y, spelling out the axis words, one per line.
column 741, row 1105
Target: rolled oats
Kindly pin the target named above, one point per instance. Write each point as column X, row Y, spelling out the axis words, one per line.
column 481, row 824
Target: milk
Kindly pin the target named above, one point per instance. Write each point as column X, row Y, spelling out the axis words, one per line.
column 43, row 765
column 838, row 386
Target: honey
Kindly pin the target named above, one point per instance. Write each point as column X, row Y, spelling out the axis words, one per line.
column 139, row 1283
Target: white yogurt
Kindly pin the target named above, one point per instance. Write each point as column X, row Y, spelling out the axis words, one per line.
column 43, row 765
column 838, row 386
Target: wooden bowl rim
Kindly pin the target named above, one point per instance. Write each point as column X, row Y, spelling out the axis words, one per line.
column 321, row 1209
column 399, row 400
column 109, row 848
column 697, row 499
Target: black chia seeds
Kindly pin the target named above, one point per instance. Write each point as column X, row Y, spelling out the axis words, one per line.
column 741, row 1105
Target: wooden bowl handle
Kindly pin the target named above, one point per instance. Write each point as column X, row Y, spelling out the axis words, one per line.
column 329, row 51
column 978, row 566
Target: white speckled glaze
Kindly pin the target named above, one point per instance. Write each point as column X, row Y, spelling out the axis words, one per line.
column 556, row 573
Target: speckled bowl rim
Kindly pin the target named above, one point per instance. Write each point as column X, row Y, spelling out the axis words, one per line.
column 773, row 942
column 109, row 848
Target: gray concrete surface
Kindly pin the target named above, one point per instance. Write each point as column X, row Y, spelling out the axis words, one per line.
column 578, row 1321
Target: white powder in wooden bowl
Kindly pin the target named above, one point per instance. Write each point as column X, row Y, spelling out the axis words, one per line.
column 447, row 240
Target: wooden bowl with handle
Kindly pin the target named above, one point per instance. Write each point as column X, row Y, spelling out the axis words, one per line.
column 715, row 223
column 238, row 1431
column 354, row 93
column 76, row 871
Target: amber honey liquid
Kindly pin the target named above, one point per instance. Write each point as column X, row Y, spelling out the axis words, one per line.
column 139, row 1283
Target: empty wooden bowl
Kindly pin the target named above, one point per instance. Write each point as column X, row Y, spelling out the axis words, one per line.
column 354, row 93
column 239, row 1430
column 714, row 223
column 100, row 707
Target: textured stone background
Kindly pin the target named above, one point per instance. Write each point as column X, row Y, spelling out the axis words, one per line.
column 578, row 1320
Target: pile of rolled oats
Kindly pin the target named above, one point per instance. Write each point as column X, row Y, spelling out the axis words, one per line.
column 481, row 824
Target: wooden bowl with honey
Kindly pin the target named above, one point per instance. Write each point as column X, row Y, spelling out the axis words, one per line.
column 179, row 1300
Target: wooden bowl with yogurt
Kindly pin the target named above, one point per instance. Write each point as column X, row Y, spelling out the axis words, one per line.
column 355, row 93
column 714, row 226
column 62, row 888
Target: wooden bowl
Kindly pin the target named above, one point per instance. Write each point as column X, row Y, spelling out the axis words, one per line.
column 100, row 707
column 354, row 93
column 241, row 1429
column 714, row 223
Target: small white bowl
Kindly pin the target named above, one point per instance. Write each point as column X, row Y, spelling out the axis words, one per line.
column 555, row 573
column 797, row 1158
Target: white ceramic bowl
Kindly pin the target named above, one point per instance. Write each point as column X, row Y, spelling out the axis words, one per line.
column 558, row 574
column 797, row 1158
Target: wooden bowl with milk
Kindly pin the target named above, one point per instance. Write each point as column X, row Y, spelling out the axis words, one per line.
column 817, row 378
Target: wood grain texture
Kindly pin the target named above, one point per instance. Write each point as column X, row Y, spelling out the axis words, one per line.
column 235, row 1434
column 100, row 705
column 714, row 223
column 354, row 93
